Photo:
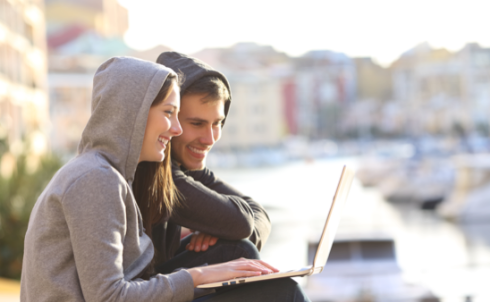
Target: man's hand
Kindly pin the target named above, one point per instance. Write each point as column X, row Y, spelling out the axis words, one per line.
column 200, row 242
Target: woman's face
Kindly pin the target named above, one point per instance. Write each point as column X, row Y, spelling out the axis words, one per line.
column 161, row 126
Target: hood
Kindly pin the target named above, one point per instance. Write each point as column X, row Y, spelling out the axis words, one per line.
column 123, row 91
column 193, row 69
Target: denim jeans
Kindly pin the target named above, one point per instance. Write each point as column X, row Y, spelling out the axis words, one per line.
column 280, row 290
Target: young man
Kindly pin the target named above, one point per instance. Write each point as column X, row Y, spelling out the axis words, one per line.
column 210, row 207
column 227, row 224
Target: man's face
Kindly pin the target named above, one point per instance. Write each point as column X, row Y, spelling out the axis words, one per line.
column 201, row 126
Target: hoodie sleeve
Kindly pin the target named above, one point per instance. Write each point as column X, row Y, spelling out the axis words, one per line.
column 214, row 207
column 97, row 207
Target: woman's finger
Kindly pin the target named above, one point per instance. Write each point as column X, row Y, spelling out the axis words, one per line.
column 251, row 265
column 258, row 263
column 239, row 274
column 267, row 265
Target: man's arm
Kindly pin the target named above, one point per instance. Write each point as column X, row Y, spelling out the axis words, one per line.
column 215, row 208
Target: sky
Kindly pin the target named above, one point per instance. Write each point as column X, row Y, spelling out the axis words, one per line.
column 381, row 29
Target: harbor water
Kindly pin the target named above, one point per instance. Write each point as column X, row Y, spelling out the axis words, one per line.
column 449, row 261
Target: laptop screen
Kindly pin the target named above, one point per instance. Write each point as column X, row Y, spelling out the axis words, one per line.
column 333, row 218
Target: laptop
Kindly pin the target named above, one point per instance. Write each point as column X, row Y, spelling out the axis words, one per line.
column 326, row 240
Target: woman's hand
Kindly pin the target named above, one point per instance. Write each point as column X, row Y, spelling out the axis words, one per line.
column 233, row 269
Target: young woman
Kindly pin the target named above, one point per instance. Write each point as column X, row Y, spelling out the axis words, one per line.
column 86, row 239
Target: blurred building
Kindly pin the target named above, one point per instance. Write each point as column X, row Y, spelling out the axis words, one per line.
column 426, row 91
column 256, row 73
column 426, row 82
column 256, row 116
column 423, row 72
column 366, row 118
column 443, row 92
column 475, row 84
column 70, row 95
column 81, row 35
column 373, row 81
column 24, row 115
column 276, row 96
column 105, row 17
column 325, row 84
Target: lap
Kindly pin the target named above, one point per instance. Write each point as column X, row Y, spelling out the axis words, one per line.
column 280, row 290
column 284, row 289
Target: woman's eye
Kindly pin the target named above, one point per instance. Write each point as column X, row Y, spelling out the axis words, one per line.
column 170, row 112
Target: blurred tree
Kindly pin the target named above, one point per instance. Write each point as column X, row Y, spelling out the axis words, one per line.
column 18, row 193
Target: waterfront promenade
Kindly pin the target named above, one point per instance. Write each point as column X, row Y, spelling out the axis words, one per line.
column 9, row 290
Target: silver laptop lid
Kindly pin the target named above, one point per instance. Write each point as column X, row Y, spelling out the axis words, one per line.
column 333, row 219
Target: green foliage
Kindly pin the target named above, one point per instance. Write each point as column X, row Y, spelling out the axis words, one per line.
column 17, row 197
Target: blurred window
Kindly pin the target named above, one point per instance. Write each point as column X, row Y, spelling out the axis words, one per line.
column 3, row 11
column 18, row 67
column 20, row 24
column 54, row 97
column 340, row 252
column 29, row 33
column 3, row 58
column 10, row 63
column 257, row 109
column 377, row 250
column 30, row 75
column 259, row 128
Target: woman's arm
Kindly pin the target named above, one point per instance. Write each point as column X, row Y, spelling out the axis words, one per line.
column 109, row 246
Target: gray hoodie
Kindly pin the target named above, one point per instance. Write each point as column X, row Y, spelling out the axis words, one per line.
column 85, row 240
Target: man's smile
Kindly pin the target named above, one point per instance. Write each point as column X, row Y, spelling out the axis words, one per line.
column 197, row 152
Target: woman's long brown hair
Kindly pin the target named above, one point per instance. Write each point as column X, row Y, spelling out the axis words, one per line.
column 153, row 187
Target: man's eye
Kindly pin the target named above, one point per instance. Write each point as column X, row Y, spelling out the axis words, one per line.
column 196, row 124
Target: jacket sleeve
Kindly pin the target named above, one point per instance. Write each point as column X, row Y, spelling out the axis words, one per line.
column 214, row 207
column 96, row 208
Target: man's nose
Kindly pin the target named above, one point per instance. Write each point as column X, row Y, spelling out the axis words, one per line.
column 207, row 137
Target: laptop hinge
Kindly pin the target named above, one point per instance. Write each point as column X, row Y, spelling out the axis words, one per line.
column 316, row 270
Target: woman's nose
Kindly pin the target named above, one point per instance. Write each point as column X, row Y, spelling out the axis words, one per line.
column 176, row 128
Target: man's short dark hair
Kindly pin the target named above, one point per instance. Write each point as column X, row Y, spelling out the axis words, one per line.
column 212, row 86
